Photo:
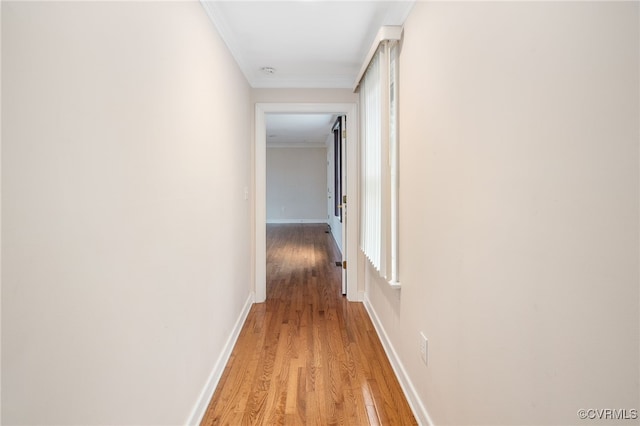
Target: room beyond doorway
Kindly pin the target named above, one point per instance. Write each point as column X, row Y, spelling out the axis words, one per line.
column 304, row 172
column 349, row 244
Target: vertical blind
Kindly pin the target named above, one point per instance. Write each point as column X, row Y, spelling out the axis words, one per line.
column 371, row 184
column 393, row 162
column 379, row 161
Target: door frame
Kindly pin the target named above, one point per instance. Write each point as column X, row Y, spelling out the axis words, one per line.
column 350, row 251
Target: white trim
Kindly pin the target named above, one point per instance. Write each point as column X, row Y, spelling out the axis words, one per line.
column 260, row 166
column 387, row 32
column 418, row 408
column 395, row 284
column 322, row 221
column 200, row 407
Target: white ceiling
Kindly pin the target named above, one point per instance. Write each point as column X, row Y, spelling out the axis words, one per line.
column 289, row 130
column 310, row 44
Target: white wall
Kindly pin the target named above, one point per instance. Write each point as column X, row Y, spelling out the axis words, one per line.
column 125, row 146
column 296, row 185
column 519, row 130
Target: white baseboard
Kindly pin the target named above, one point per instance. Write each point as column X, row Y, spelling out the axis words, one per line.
column 296, row 220
column 212, row 382
column 418, row 408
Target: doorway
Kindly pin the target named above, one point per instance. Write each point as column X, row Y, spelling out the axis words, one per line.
column 349, row 216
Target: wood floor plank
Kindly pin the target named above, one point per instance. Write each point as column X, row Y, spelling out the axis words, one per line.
column 307, row 356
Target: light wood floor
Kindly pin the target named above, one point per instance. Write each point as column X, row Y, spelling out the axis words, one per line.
column 306, row 355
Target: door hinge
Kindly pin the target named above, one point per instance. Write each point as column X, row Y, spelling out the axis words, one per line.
column 344, row 199
column 344, row 264
column 344, row 134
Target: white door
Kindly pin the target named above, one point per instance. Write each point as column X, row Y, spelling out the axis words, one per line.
column 343, row 182
column 339, row 205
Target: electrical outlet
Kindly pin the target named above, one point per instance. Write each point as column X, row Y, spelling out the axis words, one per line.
column 424, row 348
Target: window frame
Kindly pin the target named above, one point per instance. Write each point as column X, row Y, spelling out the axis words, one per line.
column 379, row 237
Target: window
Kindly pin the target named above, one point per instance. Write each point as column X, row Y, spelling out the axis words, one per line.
column 393, row 159
column 378, row 89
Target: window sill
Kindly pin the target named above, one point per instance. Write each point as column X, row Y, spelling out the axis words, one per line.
column 394, row 284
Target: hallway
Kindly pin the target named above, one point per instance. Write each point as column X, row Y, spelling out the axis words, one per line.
column 307, row 356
